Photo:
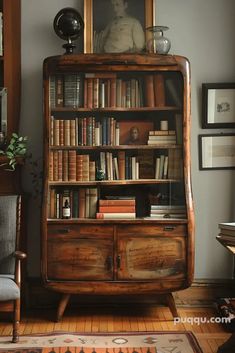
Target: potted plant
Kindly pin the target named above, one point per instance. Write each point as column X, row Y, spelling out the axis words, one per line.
column 15, row 151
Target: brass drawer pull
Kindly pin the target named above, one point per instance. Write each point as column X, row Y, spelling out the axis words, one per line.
column 169, row 228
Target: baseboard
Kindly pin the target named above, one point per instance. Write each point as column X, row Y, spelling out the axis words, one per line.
column 201, row 293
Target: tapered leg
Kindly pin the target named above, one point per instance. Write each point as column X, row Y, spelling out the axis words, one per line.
column 170, row 301
column 16, row 321
column 62, row 306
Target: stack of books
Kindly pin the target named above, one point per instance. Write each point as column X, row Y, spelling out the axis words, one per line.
column 116, row 208
column 168, row 212
column 162, row 137
column 227, row 232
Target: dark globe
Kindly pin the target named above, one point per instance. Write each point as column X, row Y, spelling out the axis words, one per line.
column 68, row 24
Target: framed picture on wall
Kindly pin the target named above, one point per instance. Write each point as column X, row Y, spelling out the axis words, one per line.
column 216, row 151
column 218, row 105
column 117, row 26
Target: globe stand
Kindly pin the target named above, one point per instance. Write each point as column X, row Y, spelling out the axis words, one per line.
column 69, row 47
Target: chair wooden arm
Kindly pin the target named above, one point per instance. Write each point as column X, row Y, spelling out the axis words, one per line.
column 19, row 255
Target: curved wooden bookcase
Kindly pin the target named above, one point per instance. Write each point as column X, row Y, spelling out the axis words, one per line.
column 143, row 255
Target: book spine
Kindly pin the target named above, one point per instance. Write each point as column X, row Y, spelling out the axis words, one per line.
column 116, row 202
column 116, row 209
column 65, row 165
column 81, row 202
column 121, row 164
column 101, row 215
column 72, row 165
column 149, row 90
column 159, row 90
column 59, row 91
column 60, row 165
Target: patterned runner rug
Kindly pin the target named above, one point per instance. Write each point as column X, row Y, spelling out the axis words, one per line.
column 134, row 342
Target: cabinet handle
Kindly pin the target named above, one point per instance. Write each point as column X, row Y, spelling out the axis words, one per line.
column 109, row 263
column 118, row 261
column 63, row 231
column 169, row 228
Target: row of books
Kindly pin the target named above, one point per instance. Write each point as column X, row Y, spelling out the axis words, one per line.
column 161, row 137
column 67, row 165
column 120, row 208
column 82, row 203
column 168, row 211
column 102, row 90
column 84, row 131
column 66, row 91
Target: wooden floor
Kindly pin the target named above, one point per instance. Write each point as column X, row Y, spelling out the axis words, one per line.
column 131, row 318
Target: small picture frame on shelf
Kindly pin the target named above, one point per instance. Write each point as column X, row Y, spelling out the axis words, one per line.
column 103, row 19
column 134, row 132
column 216, row 151
column 218, row 105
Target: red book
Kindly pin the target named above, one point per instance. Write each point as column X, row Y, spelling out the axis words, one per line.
column 117, row 202
column 114, row 209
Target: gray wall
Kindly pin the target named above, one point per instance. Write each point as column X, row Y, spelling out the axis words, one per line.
column 203, row 31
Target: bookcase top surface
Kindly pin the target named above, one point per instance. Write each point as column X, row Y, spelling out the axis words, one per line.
column 128, row 60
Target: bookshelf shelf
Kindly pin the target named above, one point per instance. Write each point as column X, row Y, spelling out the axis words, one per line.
column 117, row 196
column 122, row 147
column 116, row 182
column 117, row 109
column 116, row 221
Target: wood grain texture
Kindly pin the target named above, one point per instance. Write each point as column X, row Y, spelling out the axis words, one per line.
column 123, row 319
column 143, row 256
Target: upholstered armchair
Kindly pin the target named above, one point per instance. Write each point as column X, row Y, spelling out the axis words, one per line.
column 10, row 258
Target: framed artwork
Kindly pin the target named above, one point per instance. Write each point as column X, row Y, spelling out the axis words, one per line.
column 134, row 132
column 217, row 151
column 109, row 25
column 218, row 105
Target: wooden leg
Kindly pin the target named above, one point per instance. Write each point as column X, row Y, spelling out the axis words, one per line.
column 62, row 306
column 16, row 321
column 170, row 301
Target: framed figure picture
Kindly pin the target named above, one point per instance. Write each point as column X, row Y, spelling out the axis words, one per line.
column 218, row 105
column 117, row 26
column 217, row 151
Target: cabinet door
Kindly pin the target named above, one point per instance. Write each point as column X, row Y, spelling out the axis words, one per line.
column 151, row 257
column 80, row 259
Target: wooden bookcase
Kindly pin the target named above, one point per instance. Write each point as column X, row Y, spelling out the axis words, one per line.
column 10, row 77
column 131, row 229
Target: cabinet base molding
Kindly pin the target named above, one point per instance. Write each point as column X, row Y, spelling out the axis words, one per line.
column 201, row 293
